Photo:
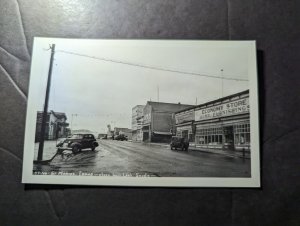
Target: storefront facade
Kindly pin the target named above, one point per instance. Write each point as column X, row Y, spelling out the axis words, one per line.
column 224, row 123
column 219, row 124
column 158, row 121
column 136, row 123
column 185, row 124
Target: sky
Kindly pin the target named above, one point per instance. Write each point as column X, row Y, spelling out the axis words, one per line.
column 94, row 93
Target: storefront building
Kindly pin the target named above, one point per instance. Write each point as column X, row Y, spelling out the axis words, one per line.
column 158, row 121
column 185, row 126
column 221, row 124
column 136, row 122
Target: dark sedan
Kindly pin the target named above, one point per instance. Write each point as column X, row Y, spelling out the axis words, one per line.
column 77, row 142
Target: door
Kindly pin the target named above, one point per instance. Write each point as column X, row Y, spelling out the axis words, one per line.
column 228, row 138
column 185, row 134
column 145, row 136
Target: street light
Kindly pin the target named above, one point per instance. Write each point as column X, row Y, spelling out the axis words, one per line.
column 222, row 80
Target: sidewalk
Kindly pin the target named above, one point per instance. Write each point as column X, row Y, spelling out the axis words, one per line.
column 228, row 153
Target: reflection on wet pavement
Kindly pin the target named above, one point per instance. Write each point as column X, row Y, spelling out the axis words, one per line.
column 129, row 159
column 70, row 161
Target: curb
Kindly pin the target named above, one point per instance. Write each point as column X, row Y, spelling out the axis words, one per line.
column 234, row 155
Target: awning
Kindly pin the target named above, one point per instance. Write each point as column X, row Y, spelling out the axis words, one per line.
column 162, row 133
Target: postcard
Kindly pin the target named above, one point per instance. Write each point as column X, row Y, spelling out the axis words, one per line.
column 166, row 113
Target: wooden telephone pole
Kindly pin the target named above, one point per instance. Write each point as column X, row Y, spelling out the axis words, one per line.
column 45, row 113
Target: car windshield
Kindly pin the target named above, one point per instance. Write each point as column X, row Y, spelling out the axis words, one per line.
column 76, row 136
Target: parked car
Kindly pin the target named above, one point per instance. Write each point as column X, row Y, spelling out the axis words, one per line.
column 77, row 142
column 121, row 137
column 179, row 142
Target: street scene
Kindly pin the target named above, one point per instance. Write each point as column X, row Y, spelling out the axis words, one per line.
column 138, row 109
column 125, row 158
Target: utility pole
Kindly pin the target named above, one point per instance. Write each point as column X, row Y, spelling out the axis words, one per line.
column 45, row 113
column 222, row 82
column 157, row 93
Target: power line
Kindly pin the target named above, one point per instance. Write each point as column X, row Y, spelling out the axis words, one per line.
column 148, row 66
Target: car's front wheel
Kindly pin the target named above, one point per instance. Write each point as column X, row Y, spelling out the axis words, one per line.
column 76, row 149
column 93, row 148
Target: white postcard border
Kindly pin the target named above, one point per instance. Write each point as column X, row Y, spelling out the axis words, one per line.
column 33, row 96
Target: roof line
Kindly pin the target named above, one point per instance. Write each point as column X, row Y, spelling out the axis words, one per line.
column 212, row 101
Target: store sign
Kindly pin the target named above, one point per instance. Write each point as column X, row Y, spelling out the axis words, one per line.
column 240, row 106
column 189, row 128
column 184, row 117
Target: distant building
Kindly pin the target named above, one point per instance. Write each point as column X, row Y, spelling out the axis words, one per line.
column 81, row 131
column 102, row 135
column 56, row 125
column 159, row 122
column 110, row 132
column 136, row 122
column 127, row 132
column 222, row 124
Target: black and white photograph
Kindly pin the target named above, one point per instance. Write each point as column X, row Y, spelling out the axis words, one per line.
column 180, row 113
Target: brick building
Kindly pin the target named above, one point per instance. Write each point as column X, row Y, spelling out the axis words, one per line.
column 158, row 121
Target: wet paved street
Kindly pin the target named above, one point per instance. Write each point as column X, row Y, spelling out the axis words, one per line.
column 123, row 157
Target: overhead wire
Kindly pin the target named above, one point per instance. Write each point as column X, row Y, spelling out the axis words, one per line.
column 150, row 67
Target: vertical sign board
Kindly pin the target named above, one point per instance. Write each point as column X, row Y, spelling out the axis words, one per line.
column 185, row 116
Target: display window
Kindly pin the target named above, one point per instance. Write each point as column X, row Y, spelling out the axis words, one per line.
column 242, row 134
column 209, row 136
column 186, row 134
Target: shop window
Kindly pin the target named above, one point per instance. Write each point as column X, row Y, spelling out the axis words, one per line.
column 247, row 137
column 242, row 134
column 191, row 137
column 209, row 135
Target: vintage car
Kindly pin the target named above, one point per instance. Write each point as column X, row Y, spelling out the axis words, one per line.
column 121, row 137
column 179, row 142
column 77, row 142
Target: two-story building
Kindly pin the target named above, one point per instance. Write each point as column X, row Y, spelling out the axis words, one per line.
column 56, row 125
column 158, row 120
column 136, row 122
